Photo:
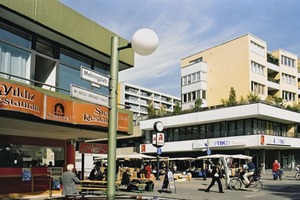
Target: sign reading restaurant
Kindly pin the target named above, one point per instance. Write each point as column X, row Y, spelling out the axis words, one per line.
column 19, row 98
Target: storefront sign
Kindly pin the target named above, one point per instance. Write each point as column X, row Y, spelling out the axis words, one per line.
column 92, row 148
column 23, row 99
column 90, row 114
column 59, row 109
column 275, row 141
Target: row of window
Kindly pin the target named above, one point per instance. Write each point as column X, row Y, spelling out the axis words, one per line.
column 288, row 96
column 226, row 129
column 47, row 63
column 192, row 96
column 257, row 87
column 287, row 61
column 257, row 48
column 257, row 68
column 288, row 79
column 193, row 78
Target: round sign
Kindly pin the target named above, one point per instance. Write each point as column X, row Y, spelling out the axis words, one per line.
column 158, row 126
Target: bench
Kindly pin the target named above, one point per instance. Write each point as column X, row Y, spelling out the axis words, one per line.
column 88, row 190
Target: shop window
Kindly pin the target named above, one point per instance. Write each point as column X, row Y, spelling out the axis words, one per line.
column 30, row 156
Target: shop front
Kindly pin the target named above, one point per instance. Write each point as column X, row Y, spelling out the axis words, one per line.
column 39, row 131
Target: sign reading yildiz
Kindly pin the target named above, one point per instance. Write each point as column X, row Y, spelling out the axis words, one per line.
column 92, row 148
column 20, row 98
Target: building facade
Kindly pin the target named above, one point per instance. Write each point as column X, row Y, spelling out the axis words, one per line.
column 43, row 47
column 138, row 99
column 265, row 132
column 261, row 130
column 243, row 63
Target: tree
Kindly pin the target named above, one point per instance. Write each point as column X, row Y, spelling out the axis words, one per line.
column 151, row 110
column 253, row 97
column 198, row 104
column 232, row 97
column 177, row 108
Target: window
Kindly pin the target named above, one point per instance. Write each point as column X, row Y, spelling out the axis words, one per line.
column 289, row 79
column 192, row 78
column 217, row 132
column 196, row 60
column 202, row 131
column 287, row 61
column 69, row 71
column 15, row 53
column 176, row 134
column 240, row 127
column 257, row 48
column 12, row 155
column 256, row 87
column 288, row 96
column 196, row 134
column 257, row 68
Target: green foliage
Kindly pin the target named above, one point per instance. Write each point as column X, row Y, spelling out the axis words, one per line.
column 151, row 110
column 253, row 97
column 177, row 108
column 232, row 97
column 197, row 105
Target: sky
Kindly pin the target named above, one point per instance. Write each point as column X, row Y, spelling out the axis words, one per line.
column 185, row 27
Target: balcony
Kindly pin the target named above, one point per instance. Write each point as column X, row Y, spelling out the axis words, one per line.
column 272, row 59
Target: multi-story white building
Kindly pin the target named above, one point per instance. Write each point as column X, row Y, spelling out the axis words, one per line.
column 138, row 99
column 243, row 63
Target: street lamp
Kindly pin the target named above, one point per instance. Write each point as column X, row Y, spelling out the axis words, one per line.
column 143, row 42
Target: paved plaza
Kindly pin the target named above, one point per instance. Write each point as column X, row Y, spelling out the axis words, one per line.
column 287, row 189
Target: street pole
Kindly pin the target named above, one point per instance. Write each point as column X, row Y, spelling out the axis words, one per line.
column 112, row 120
column 157, row 167
column 144, row 42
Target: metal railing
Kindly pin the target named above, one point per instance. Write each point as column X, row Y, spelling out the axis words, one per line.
column 34, row 81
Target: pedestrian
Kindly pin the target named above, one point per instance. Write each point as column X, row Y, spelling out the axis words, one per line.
column 275, row 168
column 148, row 171
column 248, row 170
column 216, row 177
column 204, row 171
column 69, row 180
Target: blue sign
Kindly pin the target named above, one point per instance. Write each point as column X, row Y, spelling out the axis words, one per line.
column 159, row 150
column 208, row 152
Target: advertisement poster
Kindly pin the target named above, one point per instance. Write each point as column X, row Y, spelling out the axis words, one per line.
column 26, row 174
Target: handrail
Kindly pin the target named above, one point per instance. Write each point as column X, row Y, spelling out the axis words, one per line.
column 34, row 81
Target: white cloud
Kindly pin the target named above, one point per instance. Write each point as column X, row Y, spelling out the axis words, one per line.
column 189, row 27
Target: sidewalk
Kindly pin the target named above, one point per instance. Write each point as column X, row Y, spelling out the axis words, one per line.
column 191, row 190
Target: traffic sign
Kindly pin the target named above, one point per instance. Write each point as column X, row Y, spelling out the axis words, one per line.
column 93, row 76
column 159, row 150
column 87, row 95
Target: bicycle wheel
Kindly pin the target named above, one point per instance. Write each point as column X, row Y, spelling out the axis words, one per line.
column 297, row 176
column 235, row 184
column 256, row 186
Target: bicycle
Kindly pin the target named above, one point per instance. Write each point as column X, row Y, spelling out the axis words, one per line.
column 255, row 184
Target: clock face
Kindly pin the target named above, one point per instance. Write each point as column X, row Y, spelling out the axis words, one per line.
column 158, row 126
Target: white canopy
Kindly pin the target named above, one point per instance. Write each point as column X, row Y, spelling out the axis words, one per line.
column 134, row 156
column 126, row 156
column 240, row 156
column 214, row 156
column 182, row 158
